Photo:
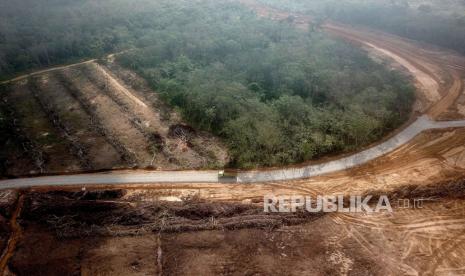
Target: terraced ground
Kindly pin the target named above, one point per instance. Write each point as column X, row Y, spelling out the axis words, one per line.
column 89, row 117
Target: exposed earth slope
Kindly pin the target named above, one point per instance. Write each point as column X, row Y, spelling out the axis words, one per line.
column 219, row 228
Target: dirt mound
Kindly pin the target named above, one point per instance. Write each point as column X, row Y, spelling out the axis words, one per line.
column 77, row 214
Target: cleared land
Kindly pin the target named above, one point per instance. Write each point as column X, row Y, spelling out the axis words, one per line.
column 76, row 232
column 137, row 131
column 86, row 118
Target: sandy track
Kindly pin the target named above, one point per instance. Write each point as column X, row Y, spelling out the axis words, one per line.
column 107, row 123
column 157, row 121
column 119, row 88
column 440, row 80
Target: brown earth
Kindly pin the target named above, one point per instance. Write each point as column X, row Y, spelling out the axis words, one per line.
column 89, row 117
column 210, row 229
column 118, row 232
column 10, row 208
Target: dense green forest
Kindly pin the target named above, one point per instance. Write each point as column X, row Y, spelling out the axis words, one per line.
column 439, row 22
column 40, row 33
column 276, row 95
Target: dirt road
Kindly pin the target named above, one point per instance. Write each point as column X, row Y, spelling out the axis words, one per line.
column 57, row 68
column 48, row 70
column 438, row 75
column 423, row 160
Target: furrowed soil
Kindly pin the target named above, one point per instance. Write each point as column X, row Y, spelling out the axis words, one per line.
column 97, row 116
column 50, row 151
column 89, row 118
column 79, row 124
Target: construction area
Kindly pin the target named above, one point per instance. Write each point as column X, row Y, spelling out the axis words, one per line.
column 98, row 116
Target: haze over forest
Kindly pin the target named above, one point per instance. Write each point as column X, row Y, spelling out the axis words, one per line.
column 274, row 94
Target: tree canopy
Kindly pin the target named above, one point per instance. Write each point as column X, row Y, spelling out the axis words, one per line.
column 275, row 94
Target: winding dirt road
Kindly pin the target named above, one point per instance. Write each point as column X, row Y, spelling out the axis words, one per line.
column 431, row 150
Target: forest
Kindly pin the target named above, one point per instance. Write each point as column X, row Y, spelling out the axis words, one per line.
column 274, row 94
column 438, row 22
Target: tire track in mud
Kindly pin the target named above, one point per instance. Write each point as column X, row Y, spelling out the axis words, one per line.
column 448, row 100
column 428, row 239
column 446, row 249
column 352, row 233
column 429, row 224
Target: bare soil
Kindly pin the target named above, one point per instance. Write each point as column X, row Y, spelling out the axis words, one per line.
column 53, row 149
column 87, row 118
column 210, row 229
column 8, row 212
column 194, row 149
column 118, row 232
column 78, row 123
